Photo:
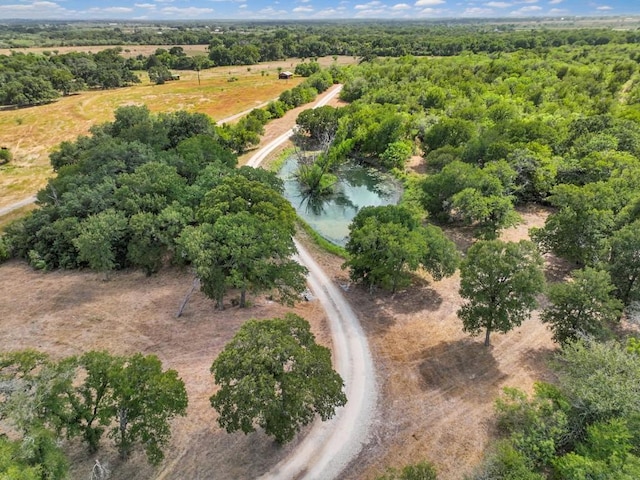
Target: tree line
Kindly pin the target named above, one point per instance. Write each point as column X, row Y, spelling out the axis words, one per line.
column 269, row 41
column 32, row 79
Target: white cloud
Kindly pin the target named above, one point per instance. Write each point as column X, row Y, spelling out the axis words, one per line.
column 558, row 11
column 401, row 6
column 303, row 9
column 244, row 5
column 36, row 9
column 555, row 2
column 368, row 6
column 499, row 4
column 604, row 7
column 111, row 10
column 371, row 12
column 477, row 12
column 528, row 1
column 430, row 12
column 524, row 11
column 187, row 12
column 428, row 3
column 327, row 13
column 145, row 5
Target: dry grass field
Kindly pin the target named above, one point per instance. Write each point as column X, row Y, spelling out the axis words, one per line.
column 438, row 384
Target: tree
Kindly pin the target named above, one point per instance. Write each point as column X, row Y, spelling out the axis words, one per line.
column 36, row 456
column 578, row 230
column 99, row 240
column 386, row 243
column 85, row 396
column 582, row 306
column 273, row 375
column 244, row 239
column 5, row 155
column 624, row 262
column 601, row 380
column 144, row 399
column 500, row 281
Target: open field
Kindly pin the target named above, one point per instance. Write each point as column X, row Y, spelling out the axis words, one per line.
column 438, row 384
column 31, row 133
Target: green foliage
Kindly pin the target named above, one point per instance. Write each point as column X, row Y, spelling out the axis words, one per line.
column 500, row 282
column 396, row 154
column 605, row 453
column 35, row 457
column 5, row 254
column 387, row 243
column 144, row 400
column 273, row 375
column 537, row 427
column 5, row 156
column 100, row 238
column 306, row 69
column 506, row 463
column 419, row 471
column 624, row 262
column 582, row 307
column 579, row 229
column 244, row 239
column 601, row 380
column 471, row 195
column 130, row 396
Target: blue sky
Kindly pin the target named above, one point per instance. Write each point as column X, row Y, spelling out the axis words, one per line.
column 307, row 9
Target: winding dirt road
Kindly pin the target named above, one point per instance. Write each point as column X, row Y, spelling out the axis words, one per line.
column 330, row 446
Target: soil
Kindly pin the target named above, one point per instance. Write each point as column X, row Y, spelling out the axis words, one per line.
column 438, row 384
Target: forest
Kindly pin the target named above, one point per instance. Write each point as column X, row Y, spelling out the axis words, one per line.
column 499, row 119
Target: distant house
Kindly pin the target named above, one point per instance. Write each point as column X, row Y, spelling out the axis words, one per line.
column 285, row 75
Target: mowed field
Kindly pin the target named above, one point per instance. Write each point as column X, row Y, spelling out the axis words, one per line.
column 31, row 133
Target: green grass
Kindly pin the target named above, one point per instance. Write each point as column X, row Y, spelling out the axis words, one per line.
column 321, row 242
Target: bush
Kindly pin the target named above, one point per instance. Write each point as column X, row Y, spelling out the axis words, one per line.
column 5, row 155
column 419, row 471
column 4, row 250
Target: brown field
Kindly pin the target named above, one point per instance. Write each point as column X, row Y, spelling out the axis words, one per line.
column 438, row 385
column 32, row 133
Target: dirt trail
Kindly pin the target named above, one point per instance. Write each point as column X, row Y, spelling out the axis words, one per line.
column 330, row 446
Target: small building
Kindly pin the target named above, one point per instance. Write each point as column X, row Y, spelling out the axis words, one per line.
column 285, row 75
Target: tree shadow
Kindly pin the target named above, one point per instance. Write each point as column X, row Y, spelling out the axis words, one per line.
column 538, row 360
column 463, row 369
column 557, row 269
column 379, row 308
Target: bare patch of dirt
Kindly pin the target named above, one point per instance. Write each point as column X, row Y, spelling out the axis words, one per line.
column 67, row 313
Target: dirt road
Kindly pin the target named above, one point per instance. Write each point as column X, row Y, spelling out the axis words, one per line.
column 330, row 446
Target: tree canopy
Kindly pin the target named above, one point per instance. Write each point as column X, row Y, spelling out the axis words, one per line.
column 500, row 282
column 273, row 375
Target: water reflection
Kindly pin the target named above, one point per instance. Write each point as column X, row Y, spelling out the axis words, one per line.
column 330, row 215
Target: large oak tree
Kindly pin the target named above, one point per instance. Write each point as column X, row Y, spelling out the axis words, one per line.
column 500, row 281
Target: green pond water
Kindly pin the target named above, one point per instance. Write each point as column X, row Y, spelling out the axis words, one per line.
column 358, row 186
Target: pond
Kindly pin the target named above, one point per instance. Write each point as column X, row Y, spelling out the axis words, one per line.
column 358, row 186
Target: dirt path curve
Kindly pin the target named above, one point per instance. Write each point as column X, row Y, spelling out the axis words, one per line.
column 330, row 446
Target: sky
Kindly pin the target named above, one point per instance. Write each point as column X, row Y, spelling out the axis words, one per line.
column 307, row 9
